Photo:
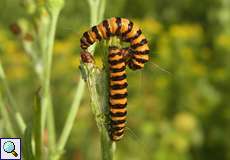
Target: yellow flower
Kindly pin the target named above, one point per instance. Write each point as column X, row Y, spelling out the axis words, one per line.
column 150, row 25
column 220, row 74
column 63, row 47
column 185, row 122
column 187, row 54
column 16, row 72
column 186, row 31
column 199, row 69
column 223, row 41
column 180, row 143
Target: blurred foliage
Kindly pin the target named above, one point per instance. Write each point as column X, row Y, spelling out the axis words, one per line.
column 178, row 105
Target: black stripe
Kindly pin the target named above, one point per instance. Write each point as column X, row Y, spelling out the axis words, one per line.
column 141, row 43
column 118, row 114
column 113, row 51
column 84, row 47
column 118, row 133
column 106, row 25
column 84, row 44
column 140, row 60
column 115, row 70
column 134, row 66
column 118, row 122
column 134, row 37
column 118, row 96
column 115, row 128
column 119, row 25
column 95, row 30
column 130, row 27
column 82, row 41
column 125, row 52
column 114, row 54
column 113, row 47
column 118, row 106
column 114, row 62
column 139, row 52
column 118, row 78
column 86, row 35
column 119, row 86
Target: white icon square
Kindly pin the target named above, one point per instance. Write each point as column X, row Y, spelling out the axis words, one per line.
column 10, row 149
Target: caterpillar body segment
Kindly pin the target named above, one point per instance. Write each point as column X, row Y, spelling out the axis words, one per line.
column 127, row 31
column 87, row 57
column 117, row 93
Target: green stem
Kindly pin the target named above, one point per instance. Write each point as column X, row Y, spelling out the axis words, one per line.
column 79, row 91
column 48, row 64
column 6, row 117
column 98, row 79
column 18, row 117
column 107, row 147
column 53, row 7
column 101, row 9
column 37, row 127
column 94, row 5
column 71, row 116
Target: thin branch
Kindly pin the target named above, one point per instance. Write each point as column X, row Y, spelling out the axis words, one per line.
column 18, row 117
column 71, row 116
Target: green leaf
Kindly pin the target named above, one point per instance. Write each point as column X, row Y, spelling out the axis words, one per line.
column 27, row 144
column 37, row 126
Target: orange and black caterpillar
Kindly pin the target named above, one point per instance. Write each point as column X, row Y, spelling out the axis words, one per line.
column 117, row 93
column 127, row 31
column 87, row 57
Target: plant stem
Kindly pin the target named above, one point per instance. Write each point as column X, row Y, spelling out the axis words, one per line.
column 96, row 80
column 94, row 6
column 18, row 117
column 107, row 147
column 37, row 127
column 71, row 116
column 53, row 7
column 47, row 94
column 5, row 115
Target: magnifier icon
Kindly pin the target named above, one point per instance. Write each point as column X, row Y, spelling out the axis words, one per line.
column 9, row 147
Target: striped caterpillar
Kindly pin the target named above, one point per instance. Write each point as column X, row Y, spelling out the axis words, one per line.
column 127, row 32
column 134, row 56
column 117, row 93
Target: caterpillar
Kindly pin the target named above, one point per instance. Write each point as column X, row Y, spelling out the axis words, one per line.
column 127, row 31
column 87, row 57
column 117, row 93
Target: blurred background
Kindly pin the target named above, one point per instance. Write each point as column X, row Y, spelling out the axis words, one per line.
column 178, row 105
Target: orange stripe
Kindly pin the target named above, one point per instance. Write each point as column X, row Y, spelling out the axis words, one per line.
column 118, row 110
column 118, row 118
column 142, row 48
column 102, row 30
column 133, row 31
column 117, row 66
column 118, row 82
column 117, row 74
column 124, row 26
column 145, row 57
column 118, row 91
column 118, row 101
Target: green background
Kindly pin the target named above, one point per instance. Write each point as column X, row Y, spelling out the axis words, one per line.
column 178, row 105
